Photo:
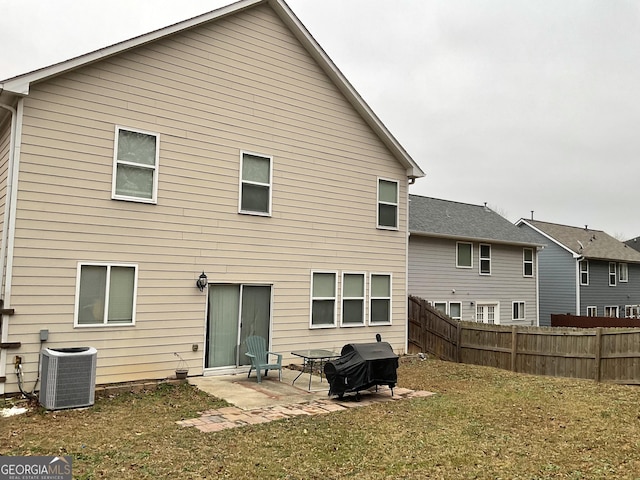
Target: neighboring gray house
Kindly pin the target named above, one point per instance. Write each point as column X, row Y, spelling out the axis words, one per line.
column 585, row 272
column 472, row 263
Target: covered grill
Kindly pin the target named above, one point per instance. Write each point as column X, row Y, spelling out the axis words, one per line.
column 362, row 366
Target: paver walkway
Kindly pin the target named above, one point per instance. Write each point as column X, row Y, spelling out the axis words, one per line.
column 232, row 417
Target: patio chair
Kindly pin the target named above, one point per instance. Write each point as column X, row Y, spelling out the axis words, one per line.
column 257, row 352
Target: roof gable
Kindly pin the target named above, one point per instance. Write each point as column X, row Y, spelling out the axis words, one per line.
column 20, row 85
column 443, row 218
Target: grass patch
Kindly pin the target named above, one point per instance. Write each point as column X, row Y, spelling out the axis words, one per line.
column 484, row 423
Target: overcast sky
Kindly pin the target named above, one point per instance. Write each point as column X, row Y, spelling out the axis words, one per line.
column 525, row 105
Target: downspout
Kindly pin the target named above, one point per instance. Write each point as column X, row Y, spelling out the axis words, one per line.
column 578, row 259
column 406, row 276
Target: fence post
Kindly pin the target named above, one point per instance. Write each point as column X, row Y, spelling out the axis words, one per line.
column 458, row 339
column 423, row 326
column 514, row 347
column 598, row 352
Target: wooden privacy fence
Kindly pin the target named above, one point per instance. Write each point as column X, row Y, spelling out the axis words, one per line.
column 601, row 354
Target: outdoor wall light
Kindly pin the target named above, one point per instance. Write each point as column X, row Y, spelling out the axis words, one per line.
column 201, row 283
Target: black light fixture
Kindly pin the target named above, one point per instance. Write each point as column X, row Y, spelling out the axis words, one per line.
column 201, row 283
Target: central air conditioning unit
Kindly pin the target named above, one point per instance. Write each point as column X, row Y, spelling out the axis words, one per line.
column 68, row 377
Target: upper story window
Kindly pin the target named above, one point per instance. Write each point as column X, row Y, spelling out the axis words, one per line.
column 584, row 272
column 612, row 274
column 623, row 272
column 380, row 301
column 135, row 165
column 527, row 262
column 464, row 255
column 105, row 294
column 387, row 204
column 485, row 259
column 255, row 184
column 323, row 299
column 353, row 299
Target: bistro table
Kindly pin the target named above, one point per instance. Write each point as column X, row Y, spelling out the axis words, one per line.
column 312, row 357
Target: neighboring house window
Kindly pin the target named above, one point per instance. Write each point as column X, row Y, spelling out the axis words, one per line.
column 611, row 312
column 380, row 306
column 135, row 165
column 106, row 294
column 352, row 299
column 387, row 204
column 441, row 306
column 486, row 313
column 612, row 274
column 255, row 184
column 592, row 311
column 485, row 259
column 464, row 255
column 518, row 311
column 527, row 262
column 584, row 272
column 455, row 310
column 632, row 311
column 623, row 272
column 323, row 299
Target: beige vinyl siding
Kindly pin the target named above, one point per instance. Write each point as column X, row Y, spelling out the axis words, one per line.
column 5, row 143
column 241, row 83
column 433, row 276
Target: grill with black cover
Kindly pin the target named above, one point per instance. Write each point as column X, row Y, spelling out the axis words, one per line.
column 362, row 366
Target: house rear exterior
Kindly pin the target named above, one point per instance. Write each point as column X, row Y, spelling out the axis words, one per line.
column 229, row 145
column 472, row 263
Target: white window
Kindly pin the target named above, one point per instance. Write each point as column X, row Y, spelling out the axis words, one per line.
column 455, row 310
column 527, row 262
column 135, row 165
column 105, row 294
column 323, row 299
column 387, row 204
column 584, row 272
column 518, row 311
column 611, row 311
column 353, row 299
column 612, row 274
column 464, row 255
column 623, row 272
column 380, row 301
column 440, row 306
column 485, row 259
column 486, row 313
column 255, row 184
column 592, row 311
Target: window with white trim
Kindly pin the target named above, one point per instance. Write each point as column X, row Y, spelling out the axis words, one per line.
column 105, row 294
column 464, row 255
column 592, row 311
column 611, row 311
column 518, row 311
column 380, row 299
column 323, row 299
column 584, row 272
column 623, row 273
column 632, row 311
column 387, row 204
column 353, row 295
column 612, row 274
column 440, row 306
column 527, row 262
column 455, row 310
column 135, row 165
column 485, row 259
column 255, row 184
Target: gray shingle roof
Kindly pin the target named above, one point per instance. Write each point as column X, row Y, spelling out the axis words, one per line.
column 443, row 218
column 591, row 244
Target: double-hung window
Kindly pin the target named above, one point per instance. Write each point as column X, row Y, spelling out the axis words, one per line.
column 485, row 259
column 592, row 311
column 387, row 204
column 455, row 310
column 135, row 165
column 255, row 184
column 584, row 272
column 518, row 311
column 323, row 299
column 464, row 255
column 527, row 262
column 106, row 294
column 380, row 301
column 612, row 274
column 353, row 299
column 623, row 272
column 611, row 311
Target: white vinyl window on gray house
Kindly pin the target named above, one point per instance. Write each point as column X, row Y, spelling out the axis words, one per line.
column 353, row 297
column 255, row 184
column 527, row 262
column 464, row 255
column 380, row 299
column 323, row 299
column 584, row 272
column 623, row 273
column 518, row 311
column 592, row 311
column 135, row 165
column 612, row 274
column 453, row 309
column 105, row 294
column 611, row 311
column 387, row 204
column 485, row 259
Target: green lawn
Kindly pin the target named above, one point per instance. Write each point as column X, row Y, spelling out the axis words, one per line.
column 483, row 423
